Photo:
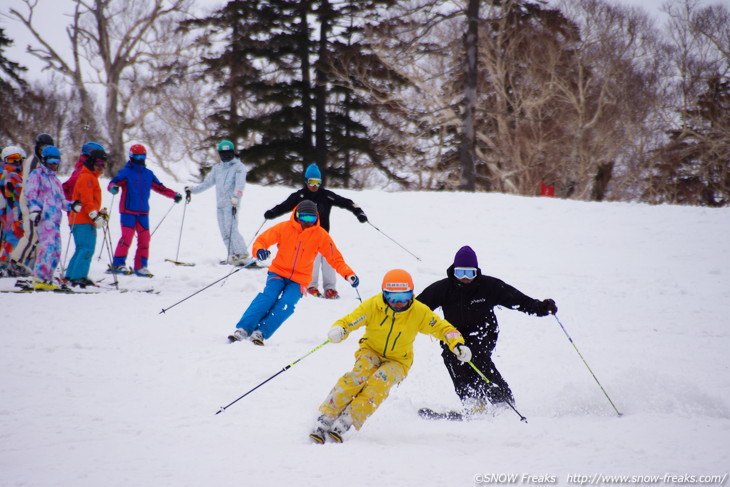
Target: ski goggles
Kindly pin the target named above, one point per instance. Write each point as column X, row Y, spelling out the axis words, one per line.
column 397, row 296
column 14, row 159
column 52, row 160
column 314, row 181
column 137, row 157
column 465, row 272
column 307, row 217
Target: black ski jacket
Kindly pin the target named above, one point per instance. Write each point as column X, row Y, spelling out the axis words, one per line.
column 325, row 200
column 470, row 307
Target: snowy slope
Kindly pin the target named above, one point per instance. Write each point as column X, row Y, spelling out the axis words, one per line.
column 104, row 390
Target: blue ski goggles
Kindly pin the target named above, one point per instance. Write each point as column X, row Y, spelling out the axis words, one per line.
column 307, row 217
column 397, row 296
column 137, row 157
column 465, row 272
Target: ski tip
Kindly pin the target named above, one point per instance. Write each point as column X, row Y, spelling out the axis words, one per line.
column 317, row 438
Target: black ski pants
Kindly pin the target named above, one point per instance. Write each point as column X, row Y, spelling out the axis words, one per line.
column 468, row 384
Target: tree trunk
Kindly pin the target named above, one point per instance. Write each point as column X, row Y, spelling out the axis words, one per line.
column 466, row 148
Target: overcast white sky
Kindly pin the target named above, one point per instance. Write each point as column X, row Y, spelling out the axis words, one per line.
column 52, row 16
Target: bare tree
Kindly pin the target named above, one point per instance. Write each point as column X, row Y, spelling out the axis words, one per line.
column 116, row 48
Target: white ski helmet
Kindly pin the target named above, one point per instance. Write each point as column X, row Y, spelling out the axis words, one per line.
column 13, row 149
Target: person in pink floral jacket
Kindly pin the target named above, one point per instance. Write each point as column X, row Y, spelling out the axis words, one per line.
column 46, row 204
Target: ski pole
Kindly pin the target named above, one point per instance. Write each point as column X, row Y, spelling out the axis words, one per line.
column 257, row 232
column 107, row 229
column 179, row 239
column 586, row 364
column 209, row 285
column 68, row 245
column 481, row 374
column 223, row 408
column 108, row 244
column 399, row 245
column 230, row 232
column 163, row 218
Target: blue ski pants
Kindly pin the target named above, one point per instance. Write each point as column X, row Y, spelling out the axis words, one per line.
column 85, row 240
column 272, row 307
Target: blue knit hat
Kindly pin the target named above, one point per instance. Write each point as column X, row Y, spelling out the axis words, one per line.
column 312, row 172
column 465, row 257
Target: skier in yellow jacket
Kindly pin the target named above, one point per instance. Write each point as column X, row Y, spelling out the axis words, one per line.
column 392, row 320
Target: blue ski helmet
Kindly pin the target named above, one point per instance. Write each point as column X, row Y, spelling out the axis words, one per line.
column 90, row 146
column 51, row 151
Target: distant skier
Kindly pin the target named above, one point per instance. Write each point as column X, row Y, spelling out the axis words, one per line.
column 68, row 185
column 87, row 190
column 392, row 320
column 298, row 241
column 229, row 178
column 325, row 200
column 24, row 255
column 46, row 205
column 136, row 182
column 11, row 219
column 467, row 299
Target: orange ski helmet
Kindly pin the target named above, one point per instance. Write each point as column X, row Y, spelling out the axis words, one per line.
column 397, row 280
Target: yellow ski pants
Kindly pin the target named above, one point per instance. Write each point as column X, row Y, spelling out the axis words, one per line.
column 364, row 388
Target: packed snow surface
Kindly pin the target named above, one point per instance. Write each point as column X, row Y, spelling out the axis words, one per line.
column 104, row 390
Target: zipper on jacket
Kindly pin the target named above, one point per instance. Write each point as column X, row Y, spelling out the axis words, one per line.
column 387, row 339
column 296, row 258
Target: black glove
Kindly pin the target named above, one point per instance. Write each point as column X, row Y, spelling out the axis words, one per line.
column 263, row 254
column 362, row 218
column 76, row 206
column 546, row 307
column 188, row 194
column 178, row 198
column 269, row 215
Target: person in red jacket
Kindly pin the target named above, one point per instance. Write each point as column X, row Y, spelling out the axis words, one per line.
column 298, row 240
column 86, row 189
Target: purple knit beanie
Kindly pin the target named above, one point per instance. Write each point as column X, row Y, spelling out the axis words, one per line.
column 465, row 257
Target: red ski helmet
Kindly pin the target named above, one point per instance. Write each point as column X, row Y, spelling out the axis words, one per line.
column 137, row 149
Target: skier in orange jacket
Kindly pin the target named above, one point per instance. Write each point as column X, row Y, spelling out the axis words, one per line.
column 298, row 240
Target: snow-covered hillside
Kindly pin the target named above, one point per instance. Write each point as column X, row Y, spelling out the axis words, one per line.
column 104, row 390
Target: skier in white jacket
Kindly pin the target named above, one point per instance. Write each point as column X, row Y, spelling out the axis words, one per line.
column 229, row 177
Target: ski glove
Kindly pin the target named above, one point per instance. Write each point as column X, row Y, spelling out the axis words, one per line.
column 336, row 334
column 35, row 217
column 546, row 307
column 113, row 189
column 100, row 218
column 463, row 353
column 76, row 206
column 269, row 215
column 362, row 218
column 188, row 194
column 263, row 254
column 178, row 198
column 353, row 280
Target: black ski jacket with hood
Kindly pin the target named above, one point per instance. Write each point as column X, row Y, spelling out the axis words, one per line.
column 470, row 307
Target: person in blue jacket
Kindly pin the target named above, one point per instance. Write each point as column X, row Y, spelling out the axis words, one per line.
column 136, row 181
